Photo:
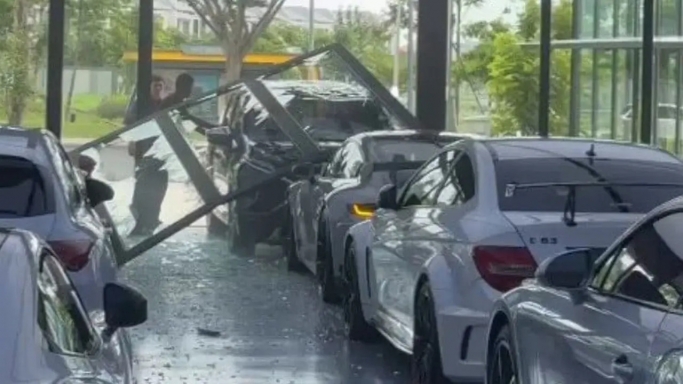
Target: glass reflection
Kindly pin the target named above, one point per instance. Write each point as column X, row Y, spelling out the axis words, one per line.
column 152, row 189
column 328, row 100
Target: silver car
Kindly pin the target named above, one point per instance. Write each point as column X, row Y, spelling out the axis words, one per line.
column 473, row 223
column 46, row 335
column 327, row 203
column 41, row 191
column 618, row 320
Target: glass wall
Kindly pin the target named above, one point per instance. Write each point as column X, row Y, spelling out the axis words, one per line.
column 596, row 70
column 609, row 86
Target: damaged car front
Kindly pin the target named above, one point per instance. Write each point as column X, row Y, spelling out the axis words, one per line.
column 302, row 109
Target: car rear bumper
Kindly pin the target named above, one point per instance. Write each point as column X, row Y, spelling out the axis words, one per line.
column 461, row 332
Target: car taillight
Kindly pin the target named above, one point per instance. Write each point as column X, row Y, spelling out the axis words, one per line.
column 74, row 254
column 504, row 268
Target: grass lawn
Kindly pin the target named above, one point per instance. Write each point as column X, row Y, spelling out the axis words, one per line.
column 86, row 123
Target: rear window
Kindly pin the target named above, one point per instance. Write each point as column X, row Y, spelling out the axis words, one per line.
column 337, row 120
column 384, row 150
column 588, row 199
column 22, row 189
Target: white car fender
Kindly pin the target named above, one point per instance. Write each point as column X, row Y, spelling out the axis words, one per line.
column 438, row 272
column 362, row 235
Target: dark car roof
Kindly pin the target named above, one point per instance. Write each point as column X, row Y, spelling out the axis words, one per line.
column 534, row 147
column 408, row 134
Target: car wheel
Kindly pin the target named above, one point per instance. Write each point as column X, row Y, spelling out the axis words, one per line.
column 289, row 246
column 355, row 326
column 502, row 368
column 426, row 367
column 324, row 267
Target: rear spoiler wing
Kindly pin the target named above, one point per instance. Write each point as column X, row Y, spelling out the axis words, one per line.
column 511, row 188
column 392, row 167
column 569, row 213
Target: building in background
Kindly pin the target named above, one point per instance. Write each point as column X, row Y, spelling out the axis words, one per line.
column 177, row 14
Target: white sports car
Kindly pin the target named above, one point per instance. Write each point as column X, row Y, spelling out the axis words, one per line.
column 476, row 220
column 324, row 206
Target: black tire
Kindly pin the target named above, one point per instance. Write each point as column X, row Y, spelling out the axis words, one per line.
column 425, row 362
column 355, row 326
column 502, row 365
column 324, row 268
column 289, row 246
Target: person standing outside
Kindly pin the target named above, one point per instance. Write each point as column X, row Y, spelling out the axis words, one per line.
column 156, row 91
column 151, row 180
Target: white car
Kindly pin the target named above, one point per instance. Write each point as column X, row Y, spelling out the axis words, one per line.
column 47, row 336
column 475, row 221
column 616, row 320
column 41, row 191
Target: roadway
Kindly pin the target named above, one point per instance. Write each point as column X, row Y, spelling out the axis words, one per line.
column 270, row 325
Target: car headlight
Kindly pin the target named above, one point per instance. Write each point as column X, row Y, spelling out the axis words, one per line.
column 362, row 211
column 670, row 369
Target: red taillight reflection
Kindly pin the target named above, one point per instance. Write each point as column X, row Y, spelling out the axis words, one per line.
column 74, row 254
column 504, row 268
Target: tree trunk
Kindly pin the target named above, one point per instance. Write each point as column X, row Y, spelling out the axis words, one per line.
column 20, row 88
column 233, row 69
column 233, row 61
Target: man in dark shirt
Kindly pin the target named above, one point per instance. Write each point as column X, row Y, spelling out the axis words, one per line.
column 151, row 179
column 156, row 91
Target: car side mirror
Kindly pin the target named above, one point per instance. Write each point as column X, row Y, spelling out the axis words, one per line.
column 387, row 197
column 569, row 270
column 124, row 307
column 98, row 191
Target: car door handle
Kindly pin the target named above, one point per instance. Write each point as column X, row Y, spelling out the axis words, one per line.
column 622, row 368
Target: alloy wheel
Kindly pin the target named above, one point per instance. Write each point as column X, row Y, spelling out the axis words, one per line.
column 503, row 366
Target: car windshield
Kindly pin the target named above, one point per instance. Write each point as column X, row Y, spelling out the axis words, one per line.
column 22, row 189
column 635, row 199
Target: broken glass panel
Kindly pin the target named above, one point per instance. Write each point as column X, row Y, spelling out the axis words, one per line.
column 151, row 187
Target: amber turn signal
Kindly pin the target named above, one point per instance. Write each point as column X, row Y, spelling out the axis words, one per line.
column 362, row 211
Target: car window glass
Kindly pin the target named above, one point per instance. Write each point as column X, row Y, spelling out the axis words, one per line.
column 649, row 266
column 353, row 161
column 60, row 313
column 459, row 184
column 65, row 172
column 22, row 189
column 633, row 198
column 422, row 188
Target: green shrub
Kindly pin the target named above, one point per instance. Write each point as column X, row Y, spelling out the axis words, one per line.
column 112, row 107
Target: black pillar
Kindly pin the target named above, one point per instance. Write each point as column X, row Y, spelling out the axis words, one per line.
column 575, row 77
column 433, row 43
column 647, row 78
column 55, row 65
column 544, row 92
column 145, row 46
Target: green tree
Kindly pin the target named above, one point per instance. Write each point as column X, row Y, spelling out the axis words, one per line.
column 235, row 33
column 513, row 82
column 402, row 5
column 367, row 38
column 21, row 44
